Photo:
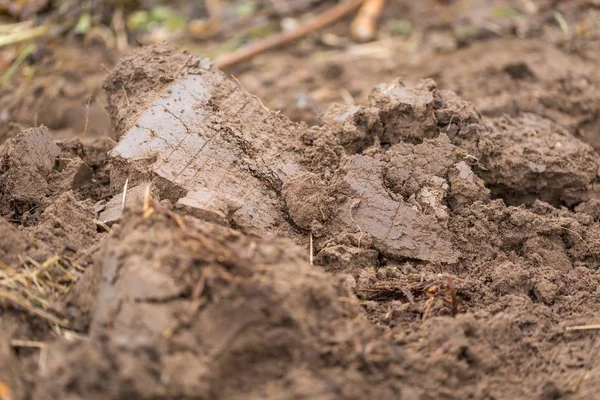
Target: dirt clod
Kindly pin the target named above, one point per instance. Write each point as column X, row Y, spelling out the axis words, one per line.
column 26, row 162
column 222, row 313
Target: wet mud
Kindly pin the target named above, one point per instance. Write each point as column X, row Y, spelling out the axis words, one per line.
column 423, row 244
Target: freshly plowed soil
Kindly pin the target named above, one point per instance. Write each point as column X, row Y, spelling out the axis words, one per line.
column 439, row 239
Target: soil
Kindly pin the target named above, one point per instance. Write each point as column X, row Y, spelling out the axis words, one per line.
column 417, row 219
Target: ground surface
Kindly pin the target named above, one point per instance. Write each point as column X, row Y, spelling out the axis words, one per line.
column 444, row 182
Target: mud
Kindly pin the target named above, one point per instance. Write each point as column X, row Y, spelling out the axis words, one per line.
column 453, row 237
column 27, row 161
column 223, row 315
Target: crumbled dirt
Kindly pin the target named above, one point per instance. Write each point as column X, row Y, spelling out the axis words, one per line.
column 431, row 239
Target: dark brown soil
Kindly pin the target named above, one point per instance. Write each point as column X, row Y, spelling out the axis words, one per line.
column 434, row 240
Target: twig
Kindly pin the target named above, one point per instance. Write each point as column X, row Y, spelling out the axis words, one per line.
column 102, row 225
column 583, row 328
column 347, row 97
column 178, row 220
column 310, row 252
column 125, row 93
column 87, row 115
column 364, row 27
column 105, row 68
column 326, row 18
column 452, row 290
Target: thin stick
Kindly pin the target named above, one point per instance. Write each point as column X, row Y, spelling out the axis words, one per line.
column 583, row 328
column 102, row 225
column 125, row 92
column 326, row 18
column 87, row 115
column 452, row 289
column 347, row 97
column 364, row 26
column 310, row 240
column 105, row 68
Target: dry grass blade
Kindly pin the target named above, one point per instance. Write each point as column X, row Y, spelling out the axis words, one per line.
column 23, row 35
column 27, row 343
column 29, row 307
column 36, row 345
column 148, row 208
column 393, row 288
column 33, row 285
column 16, row 27
column 124, row 194
column 311, row 249
column 591, row 251
column 11, row 70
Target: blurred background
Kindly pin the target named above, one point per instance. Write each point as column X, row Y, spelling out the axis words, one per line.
column 502, row 55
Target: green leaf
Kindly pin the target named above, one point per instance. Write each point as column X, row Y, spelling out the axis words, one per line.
column 84, row 24
column 504, row 11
